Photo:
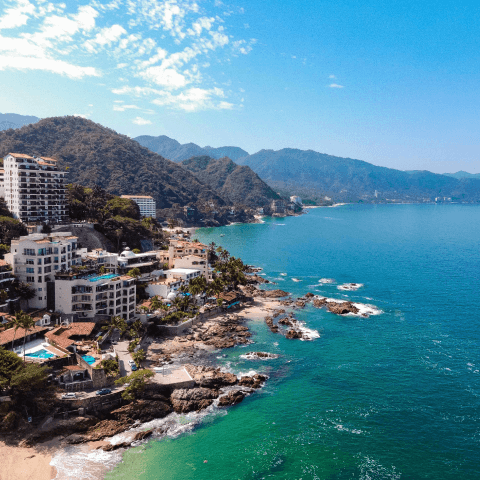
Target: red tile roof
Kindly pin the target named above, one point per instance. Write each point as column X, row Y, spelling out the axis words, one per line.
column 61, row 336
column 8, row 335
column 20, row 155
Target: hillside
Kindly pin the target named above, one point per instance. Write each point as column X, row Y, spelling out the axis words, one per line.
column 350, row 180
column 175, row 151
column 462, row 174
column 96, row 155
column 13, row 120
column 238, row 184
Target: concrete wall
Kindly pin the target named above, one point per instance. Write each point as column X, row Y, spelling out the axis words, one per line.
column 175, row 329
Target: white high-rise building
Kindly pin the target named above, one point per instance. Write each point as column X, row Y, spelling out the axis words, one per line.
column 35, row 258
column 146, row 204
column 34, row 189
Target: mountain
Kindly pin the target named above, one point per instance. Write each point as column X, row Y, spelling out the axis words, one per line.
column 234, row 153
column 175, row 151
column 462, row 174
column 346, row 179
column 96, row 155
column 238, row 184
column 13, row 120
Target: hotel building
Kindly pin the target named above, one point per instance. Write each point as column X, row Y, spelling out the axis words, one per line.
column 146, row 204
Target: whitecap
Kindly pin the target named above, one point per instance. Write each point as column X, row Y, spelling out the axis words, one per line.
column 296, row 279
column 254, row 356
column 350, row 286
column 326, row 280
column 283, row 274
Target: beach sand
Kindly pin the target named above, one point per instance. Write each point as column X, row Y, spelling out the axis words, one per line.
column 17, row 463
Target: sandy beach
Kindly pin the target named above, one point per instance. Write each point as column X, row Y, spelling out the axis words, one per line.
column 19, row 463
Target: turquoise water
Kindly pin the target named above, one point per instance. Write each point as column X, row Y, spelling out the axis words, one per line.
column 89, row 359
column 40, row 354
column 102, row 277
column 393, row 396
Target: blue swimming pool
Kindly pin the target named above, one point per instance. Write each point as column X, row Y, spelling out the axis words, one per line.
column 102, row 277
column 89, row 359
column 40, row 354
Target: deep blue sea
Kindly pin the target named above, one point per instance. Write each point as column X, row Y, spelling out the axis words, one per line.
column 392, row 396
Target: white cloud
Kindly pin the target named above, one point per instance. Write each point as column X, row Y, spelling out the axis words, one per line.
column 194, row 99
column 141, row 121
column 17, row 16
column 121, row 108
column 106, row 36
column 332, row 76
column 165, row 77
column 335, row 85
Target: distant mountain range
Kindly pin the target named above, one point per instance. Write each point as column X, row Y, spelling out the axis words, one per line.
column 237, row 184
column 462, row 174
column 175, row 151
column 13, row 120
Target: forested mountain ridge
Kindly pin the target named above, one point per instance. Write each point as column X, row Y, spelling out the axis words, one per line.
column 237, row 184
column 96, row 155
column 346, row 179
column 175, row 151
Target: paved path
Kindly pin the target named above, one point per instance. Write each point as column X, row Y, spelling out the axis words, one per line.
column 124, row 356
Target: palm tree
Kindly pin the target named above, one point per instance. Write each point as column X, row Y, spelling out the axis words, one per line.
column 26, row 322
column 15, row 323
column 25, row 291
column 155, row 303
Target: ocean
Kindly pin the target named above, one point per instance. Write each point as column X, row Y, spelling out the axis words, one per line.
column 392, row 396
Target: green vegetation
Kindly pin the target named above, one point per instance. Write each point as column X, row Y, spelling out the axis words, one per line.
column 136, row 381
column 139, row 357
column 133, row 345
column 111, row 367
column 118, row 323
column 134, row 272
column 10, row 229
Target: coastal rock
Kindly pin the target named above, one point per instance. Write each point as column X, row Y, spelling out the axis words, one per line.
column 231, row 398
column 209, row 377
column 253, row 382
column 271, row 325
column 142, row 410
column 193, row 399
column 256, row 279
column 319, row 302
column 292, row 334
column 342, row 308
column 107, row 428
column 274, row 293
column 142, row 435
column 276, row 313
column 300, row 303
column 112, row 447
column 260, row 355
column 309, row 295
column 285, row 321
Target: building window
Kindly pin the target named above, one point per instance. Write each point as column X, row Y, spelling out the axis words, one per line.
column 39, row 279
column 39, row 261
column 31, row 279
column 39, row 289
column 40, row 298
column 30, row 270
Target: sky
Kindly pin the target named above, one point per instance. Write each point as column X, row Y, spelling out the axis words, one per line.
column 392, row 83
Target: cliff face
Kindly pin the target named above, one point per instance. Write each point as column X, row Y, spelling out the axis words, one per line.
column 96, row 155
column 237, row 184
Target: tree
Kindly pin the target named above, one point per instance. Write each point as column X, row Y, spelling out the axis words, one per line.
column 139, row 357
column 3, row 295
column 26, row 322
column 155, row 303
column 10, row 364
column 136, row 381
column 102, row 270
column 134, row 272
column 15, row 322
column 117, row 322
column 25, row 291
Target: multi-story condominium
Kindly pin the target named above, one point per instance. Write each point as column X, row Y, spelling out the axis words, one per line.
column 146, row 204
column 195, row 262
column 180, row 248
column 36, row 257
column 92, row 295
column 34, row 189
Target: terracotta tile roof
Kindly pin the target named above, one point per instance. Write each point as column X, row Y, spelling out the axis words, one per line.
column 126, row 277
column 7, row 336
column 61, row 336
column 20, row 155
column 49, row 159
column 3, row 263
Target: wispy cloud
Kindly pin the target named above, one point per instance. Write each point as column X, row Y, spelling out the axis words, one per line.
column 164, row 47
column 119, row 107
column 332, row 76
column 141, row 121
column 335, row 85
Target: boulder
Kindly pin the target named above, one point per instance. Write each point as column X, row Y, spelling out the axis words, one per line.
column 231, row 398
column 319, row 302
column 192, row 399
column 309, row 295
column 107, row 428
column 111, row 447
column 142, row 435
column 292, row 334
column 253, row 382
column 142, row 410
column 342, row 308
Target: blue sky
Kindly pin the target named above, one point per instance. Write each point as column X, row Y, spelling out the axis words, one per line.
column 392, row 83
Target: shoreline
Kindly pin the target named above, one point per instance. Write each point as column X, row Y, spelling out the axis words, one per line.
column 39, row 462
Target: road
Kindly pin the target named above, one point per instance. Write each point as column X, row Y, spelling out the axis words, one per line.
column 121, row 348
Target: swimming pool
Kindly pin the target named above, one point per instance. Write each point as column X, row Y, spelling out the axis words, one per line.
column 89, row 359
column 40, row 354
column 103, row 277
